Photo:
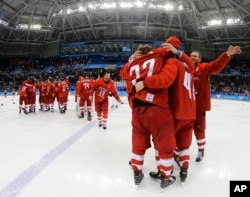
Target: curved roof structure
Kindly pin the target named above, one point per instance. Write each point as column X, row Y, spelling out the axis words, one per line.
column 35, row 23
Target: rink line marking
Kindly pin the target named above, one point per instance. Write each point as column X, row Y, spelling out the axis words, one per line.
column 20, row 182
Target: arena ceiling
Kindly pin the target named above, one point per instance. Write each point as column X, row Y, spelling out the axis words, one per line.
column 60, row 21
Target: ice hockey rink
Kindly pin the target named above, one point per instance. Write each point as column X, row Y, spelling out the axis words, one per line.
column 59, row 155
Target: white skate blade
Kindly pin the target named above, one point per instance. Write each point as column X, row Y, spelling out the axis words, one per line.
column 137, row 187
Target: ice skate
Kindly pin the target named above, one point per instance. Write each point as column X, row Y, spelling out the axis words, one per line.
column 25, row 111
column 138, row 178
column 81, row 115
column 89, row 116
column 183, row 175
column 166, row 182
column 200, row 156
column 156, row 176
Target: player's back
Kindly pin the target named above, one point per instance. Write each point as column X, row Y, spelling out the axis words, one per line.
column 181, row 93
column 146, row 66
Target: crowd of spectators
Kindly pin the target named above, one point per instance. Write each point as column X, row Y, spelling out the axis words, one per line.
column 230, row 84
column 233, row 80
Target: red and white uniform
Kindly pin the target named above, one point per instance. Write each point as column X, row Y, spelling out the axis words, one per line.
column 84, row 93
column 183, row 106
column 43, row 97
column 63, row 91
column 202, row 87
column 77, row 92
column 181, row 100
column 32, row 96
column 51, row 88
column 101, row 89
column 147, row 106
column 23, row 96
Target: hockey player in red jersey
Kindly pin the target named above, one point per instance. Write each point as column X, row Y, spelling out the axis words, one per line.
column 202, row 87
column 63, row 92
column 181, row 102
column 23, row 97
column 101, row 89
column 77, row 93
column 32, row 94
column 148, row 105
column 84, row 93
column 51, row 88
column 42, row 97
